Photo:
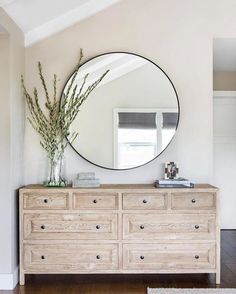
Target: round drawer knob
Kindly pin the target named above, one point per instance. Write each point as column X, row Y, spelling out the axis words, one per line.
column 98, row 227
column 98, row 257
column 144, row 201
column 196, row 227
column 94, row 201
column 45, row 201
column 193, row 200
column 141, row 257
column 141, row 227
column 42, row 227
column 42, row 257
column 196, row 256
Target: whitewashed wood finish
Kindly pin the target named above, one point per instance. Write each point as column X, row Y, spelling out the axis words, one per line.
column 95, row 200
column 203, row 200
column 46, row 200
column 70, row 257
column 70, row 226
column 144, row 201
column 169, row 256
column 64, row 230
column 174, row 226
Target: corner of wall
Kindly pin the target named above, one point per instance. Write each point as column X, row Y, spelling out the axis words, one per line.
column 9, row 281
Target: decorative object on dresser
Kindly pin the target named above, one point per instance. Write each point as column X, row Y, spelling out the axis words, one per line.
column 53, row 125
column 175, row 183
column 171, row 170
column 119, row 229
column 86, row 180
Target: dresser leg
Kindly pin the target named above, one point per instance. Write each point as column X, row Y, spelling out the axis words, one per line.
column 218, row 277
column 22, row 278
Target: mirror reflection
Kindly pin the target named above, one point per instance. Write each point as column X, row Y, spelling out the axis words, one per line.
column 131, row 117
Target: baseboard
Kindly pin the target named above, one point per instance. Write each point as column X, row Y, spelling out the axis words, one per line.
column 9, row 281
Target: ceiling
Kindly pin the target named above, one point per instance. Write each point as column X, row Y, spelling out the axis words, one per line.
column 39, row 19
column 224, row 54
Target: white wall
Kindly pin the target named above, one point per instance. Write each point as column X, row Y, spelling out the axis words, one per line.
column 178, row 36
column 5, row 208
column 11, row 147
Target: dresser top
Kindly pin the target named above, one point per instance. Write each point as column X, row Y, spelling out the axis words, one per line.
column 127, row 187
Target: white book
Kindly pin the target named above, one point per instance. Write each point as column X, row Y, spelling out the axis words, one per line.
column 86, row 183
column 174, row 182
column 86, row 176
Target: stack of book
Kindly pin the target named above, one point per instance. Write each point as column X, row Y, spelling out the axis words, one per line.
column 174, row 183
column 86, row 180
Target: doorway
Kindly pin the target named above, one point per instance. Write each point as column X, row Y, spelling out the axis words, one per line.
column 224, row 128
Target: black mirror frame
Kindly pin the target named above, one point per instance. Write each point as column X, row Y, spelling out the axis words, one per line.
column 177, row 98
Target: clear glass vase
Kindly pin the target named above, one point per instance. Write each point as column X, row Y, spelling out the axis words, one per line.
column 56, row 177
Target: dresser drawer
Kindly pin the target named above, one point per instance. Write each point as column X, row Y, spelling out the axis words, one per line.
column 70, row 226
column 168, row 256
column 46, row 200
column 70, row 257
column 169, row 226
column 186, row 201
column 95, row 201
column 144, row 201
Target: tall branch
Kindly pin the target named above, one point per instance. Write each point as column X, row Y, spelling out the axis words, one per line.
column 53, row 123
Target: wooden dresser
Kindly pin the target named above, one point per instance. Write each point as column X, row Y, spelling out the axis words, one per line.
column 119, row 229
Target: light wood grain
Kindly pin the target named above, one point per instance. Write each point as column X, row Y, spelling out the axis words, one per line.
column 174, row 226
column 46, row 200
column 95, row 200
column 194, row 200
column 124, row 187
column 144, row 201
column 70, row 226
column 169, row 256
column 70, row 230
column 72, row 258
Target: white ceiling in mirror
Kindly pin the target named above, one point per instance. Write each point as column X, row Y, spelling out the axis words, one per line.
column 224, row 54
column 131, row 117
column 39, row 19
column 119, row 65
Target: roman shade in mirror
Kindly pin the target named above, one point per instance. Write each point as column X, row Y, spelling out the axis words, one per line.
column 136, row 120
column 131, row 117
column 170, row 120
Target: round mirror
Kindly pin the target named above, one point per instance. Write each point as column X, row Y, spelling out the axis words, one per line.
column 131, row 116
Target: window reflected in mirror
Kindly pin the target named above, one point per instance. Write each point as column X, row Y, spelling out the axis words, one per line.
column 139, row 134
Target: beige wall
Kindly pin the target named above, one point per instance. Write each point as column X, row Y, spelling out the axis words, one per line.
column 224, row 81
column 178, row 36
column 5, row 204
column 11, row 147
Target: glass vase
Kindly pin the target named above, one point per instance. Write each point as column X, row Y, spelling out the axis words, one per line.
column 56, row 177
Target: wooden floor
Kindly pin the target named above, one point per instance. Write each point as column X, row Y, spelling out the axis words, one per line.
column 130, row 284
